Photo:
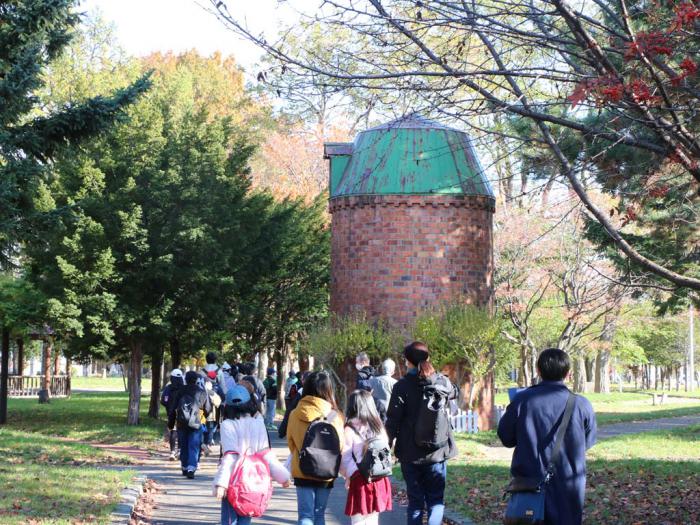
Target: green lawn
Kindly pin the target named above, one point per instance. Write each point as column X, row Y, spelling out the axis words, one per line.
column 50, row 481
column 654, row 477
column 94, row 416
column 109, row 383
column 46, row 478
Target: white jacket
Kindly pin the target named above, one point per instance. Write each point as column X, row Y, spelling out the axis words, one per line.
column 241, row 435
column 355, row 442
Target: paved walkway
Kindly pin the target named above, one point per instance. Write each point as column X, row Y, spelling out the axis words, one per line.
column 666, row 423
column 188, row 502
column 500, row 453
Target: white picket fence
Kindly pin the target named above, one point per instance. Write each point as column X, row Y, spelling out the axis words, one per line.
column 468, row 421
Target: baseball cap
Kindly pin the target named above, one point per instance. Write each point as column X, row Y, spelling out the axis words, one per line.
column 176, row 372
column 237, row 395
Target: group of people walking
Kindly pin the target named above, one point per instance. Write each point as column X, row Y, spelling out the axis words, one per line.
column 408, row 416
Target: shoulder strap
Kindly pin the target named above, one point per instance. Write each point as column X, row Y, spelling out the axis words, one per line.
column 566, row 419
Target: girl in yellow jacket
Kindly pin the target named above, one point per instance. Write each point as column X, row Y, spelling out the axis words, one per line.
column 317, row 401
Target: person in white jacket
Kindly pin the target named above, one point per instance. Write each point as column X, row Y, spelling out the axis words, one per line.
column 243, row 429
column 366, row 499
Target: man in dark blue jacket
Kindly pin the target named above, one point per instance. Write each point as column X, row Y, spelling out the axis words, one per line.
column 530, row 424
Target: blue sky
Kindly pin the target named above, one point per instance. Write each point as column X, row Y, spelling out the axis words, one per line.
column 145, row 26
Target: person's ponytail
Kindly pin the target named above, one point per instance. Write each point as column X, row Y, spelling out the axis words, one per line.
column 425, row 369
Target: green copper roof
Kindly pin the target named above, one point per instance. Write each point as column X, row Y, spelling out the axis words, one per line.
column 411, row 155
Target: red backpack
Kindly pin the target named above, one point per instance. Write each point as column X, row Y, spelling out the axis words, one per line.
column 250, row 487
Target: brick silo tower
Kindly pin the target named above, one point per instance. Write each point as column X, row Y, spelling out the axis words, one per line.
column 411, row 223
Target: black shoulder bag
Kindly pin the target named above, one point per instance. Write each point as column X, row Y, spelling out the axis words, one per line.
column 526, row 495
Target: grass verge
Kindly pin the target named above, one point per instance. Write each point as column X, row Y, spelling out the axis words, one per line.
column 651, row 477
column 51, row 481
column 92, row 416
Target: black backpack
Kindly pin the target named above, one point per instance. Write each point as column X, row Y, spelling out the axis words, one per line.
column 432, row 429
column 376, row 458
column 320, row 453
column 188, row 412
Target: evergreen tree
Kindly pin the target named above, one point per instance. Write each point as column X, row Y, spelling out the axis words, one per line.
column 33, row 34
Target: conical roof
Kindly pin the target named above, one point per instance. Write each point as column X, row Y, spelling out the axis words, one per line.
column 410, row 156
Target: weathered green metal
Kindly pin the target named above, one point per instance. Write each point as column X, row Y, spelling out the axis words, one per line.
column 409, row 156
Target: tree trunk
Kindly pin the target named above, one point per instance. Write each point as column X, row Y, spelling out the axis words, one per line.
column 156, row 382
column 656, row 377
column 45, row 392
column 304, row 362
column 590, row 369
column 135, row 363
column 525, row 376
column 175, row 353
column 602, row 375
column 69, row 373
column 4, row 374
column 57, row 363
column 20, row 356
column 579, row 374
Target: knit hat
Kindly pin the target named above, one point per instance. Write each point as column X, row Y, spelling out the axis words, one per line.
column 415, row 353
column 238, row 395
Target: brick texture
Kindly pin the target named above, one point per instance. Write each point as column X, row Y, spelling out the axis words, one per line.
column 393, row 256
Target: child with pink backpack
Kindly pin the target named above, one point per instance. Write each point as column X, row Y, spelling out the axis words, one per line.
column 243, row 481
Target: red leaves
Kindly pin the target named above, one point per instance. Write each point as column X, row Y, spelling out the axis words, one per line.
column 659, row 192
column 686, row 14
column 641, row 93
column 689, row 68
column 649, row 44
column 603, row 89
column 613, row 92
column 609, row 89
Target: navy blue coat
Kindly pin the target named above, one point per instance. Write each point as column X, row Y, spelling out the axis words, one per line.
column 530, row 424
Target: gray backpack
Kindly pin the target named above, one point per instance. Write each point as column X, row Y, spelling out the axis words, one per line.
column 376, row 458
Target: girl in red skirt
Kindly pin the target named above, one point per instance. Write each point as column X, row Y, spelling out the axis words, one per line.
column 365, row 499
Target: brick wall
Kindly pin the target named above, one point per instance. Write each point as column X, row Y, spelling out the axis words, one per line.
column 392, row 256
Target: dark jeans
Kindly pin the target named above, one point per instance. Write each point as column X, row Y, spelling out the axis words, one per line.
column 190, row 445
column 425, row 488
column 209, row 433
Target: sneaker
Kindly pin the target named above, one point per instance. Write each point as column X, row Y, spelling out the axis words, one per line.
column 173, row 456
column 206, row 450
column 190, row 474
column 184, row 472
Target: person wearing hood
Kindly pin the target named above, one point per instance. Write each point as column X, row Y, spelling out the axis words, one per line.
column 167, row 399
column 424, row 467
column 191, row 396
column 317, row 401
column 365, row 372
column 381, row 387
